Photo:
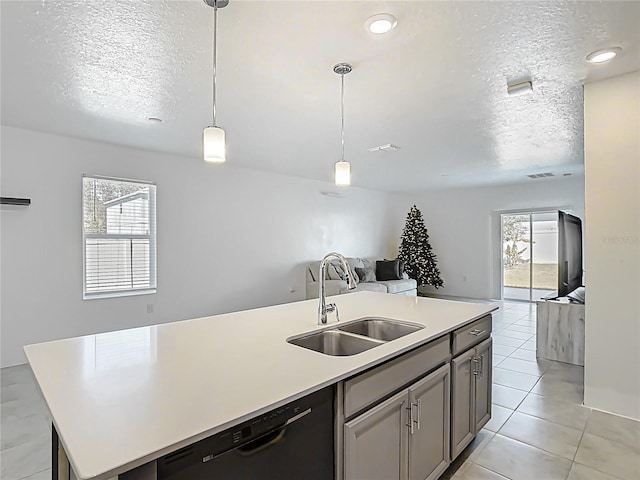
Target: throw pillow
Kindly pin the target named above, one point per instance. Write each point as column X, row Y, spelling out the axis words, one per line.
column 400, row 266
column 342, row 275
column 366, row 274
column 388, row 270
column 366, row 263
column 332, row 273
column 354, row 273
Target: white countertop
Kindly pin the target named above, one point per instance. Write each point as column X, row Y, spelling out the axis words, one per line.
column 121, row 399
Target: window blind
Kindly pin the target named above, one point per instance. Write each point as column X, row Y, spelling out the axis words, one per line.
column 119, row 237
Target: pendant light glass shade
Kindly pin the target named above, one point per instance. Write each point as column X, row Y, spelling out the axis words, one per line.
column 213, row 137
column 343, row 174
column 214, row 145
column 342, row 168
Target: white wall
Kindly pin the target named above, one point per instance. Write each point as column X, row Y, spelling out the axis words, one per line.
column 464, row 228
column 612, row 191
column 228, row 238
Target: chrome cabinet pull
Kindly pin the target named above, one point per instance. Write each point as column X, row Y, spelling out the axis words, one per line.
column 410, row 424
column 477, row 332
column 413, row 419
column 475, row 362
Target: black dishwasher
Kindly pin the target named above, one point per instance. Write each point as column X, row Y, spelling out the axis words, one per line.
column 294, row 441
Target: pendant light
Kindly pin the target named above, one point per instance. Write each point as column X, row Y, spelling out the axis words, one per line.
column 342, row 168
column 213, row 138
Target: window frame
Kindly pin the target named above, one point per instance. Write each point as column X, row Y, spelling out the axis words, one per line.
column 151, row 236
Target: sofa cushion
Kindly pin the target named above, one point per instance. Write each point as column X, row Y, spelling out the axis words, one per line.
column 395, row 286
column 409, row 293
column 369, row 287
column 337, row 265
column 388, row 270
column 366, row 274
column 355, row 262
column 333, row 272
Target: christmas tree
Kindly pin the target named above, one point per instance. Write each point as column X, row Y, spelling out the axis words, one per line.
column 416, row 253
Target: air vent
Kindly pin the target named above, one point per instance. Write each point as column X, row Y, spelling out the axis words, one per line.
column 541, row 175
column 389, row 147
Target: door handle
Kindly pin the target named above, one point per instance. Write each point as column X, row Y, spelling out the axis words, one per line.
column 410, row 424
column 419, row 413
column 481, row 366
column 261, row 443
column 476, row 332
column 476, row 362
column 412, row 419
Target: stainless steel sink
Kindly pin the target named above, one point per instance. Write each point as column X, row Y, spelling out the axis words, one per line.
column 355, row 337
column 333, row 342
column 380, row 328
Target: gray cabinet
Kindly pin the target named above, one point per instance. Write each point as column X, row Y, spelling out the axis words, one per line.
column 470, row 395
column 375, row 443
column 408, row 418
column 429, row 441
column 462, row 393
column 483, row 380
column 405, row 437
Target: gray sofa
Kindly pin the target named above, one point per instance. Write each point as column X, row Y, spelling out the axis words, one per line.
column 336, row 285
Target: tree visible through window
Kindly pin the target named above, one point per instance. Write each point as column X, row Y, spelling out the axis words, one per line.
column 119, row 237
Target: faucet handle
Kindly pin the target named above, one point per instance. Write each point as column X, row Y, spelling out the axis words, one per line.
column 332, row 307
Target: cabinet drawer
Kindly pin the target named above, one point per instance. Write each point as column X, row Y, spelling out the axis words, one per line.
column 368, row 387
column 472, row 334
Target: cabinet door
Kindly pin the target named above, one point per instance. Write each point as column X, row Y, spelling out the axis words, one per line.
column 484, row 377
column 375, row 443
column 462, row 404
column 429, row 442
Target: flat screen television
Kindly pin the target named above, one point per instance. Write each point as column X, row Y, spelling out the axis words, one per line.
column 569, row 253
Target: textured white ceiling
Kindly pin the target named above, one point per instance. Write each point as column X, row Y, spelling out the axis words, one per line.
column 435, row 86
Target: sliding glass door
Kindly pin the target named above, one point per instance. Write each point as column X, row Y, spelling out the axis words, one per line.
column 529, row 255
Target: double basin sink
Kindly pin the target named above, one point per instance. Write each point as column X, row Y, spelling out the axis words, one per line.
column 355, row 337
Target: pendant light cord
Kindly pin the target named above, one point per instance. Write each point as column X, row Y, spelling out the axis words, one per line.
column 215, row 34
column 342, row 113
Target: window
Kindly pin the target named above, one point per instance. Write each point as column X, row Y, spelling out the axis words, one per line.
column 118, row 237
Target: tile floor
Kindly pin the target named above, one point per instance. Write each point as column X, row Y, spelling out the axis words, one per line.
column 538, row 430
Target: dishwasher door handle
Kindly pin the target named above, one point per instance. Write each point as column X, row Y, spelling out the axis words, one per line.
column 262, row 443
column 270, row 438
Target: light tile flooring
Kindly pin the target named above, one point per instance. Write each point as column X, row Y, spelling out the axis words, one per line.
column 538, row 430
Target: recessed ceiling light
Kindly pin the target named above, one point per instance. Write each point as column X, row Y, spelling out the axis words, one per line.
column 604, row 55
column 381, row 23
column 154, row 120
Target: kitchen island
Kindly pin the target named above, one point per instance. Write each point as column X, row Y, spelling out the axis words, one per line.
column 122, row 399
